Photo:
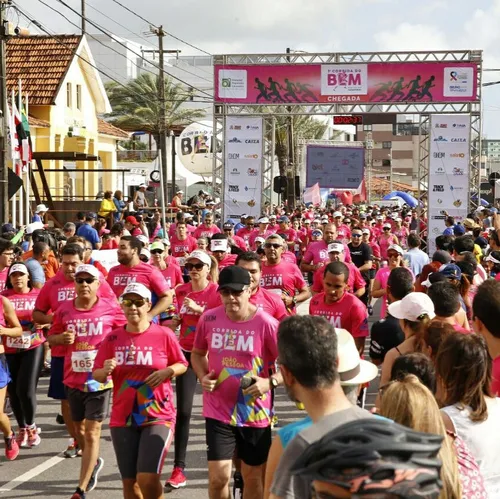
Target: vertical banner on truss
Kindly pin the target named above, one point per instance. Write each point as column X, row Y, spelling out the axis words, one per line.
column 449, row 172
column 243, row 156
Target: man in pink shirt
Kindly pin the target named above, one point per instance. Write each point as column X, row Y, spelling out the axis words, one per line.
column 207, row 228
column 80, row 325
column 281, row 278
column 290, row 234
column 221, row 251
column 131, row 269
column 273, row 226
column 339, row 307
column 182, row 244
column 343, row 232
column 248, row 230
column 261, row 231
column 228, row 229
column 233, row 368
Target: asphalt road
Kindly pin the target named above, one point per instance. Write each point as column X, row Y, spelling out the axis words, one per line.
column 43, row 472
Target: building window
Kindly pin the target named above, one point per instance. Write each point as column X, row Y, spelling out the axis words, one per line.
column 69, row 95
column 386, row 162
column 79, row 97
column 386, row 145
column 367, row 128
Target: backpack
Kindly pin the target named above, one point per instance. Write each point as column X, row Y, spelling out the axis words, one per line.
column 191, row 200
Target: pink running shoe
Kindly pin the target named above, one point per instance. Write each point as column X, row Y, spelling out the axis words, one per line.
column 11, row 447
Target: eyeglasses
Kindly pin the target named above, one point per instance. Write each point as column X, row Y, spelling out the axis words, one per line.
column 195, row 266
column 138, row 303
column 157, row 252
column 87, row 280
column 356, row 235
column 233, row 292
column 271, row 245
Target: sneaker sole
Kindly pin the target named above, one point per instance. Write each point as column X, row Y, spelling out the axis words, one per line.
column 95, row 473
column 178, row 486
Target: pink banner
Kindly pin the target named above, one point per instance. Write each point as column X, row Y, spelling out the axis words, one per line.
column 347, row 83
column 312, row 195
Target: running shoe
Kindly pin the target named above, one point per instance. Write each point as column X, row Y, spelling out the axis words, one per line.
column 59, row 419
column 11, row 447
column 79, row 494
column 33, row 437
column 95, row 474
column 237, row 485
column 22, row 437
column 370, row 310
column 73, row 450
column 177, row 478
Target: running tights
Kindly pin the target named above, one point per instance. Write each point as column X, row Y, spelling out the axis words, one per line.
column 185, row 387
column 24, row 368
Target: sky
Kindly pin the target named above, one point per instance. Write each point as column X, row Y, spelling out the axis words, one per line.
column 270, row 26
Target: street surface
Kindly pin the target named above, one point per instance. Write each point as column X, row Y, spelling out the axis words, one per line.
column 43, row 472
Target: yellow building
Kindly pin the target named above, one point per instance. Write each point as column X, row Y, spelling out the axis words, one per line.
column 66, row 96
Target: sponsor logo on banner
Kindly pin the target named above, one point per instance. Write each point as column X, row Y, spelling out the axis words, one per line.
column 440, row 139
column 441, row 125
column 438, row 188
column 438, row 155
column 235, row 127
column 234, row 188
column 252, row 172
column 458, row 171
column 459, row 125
column 252, row 141
column 233, row 83
column 234, row 171
column 317, row 167
column 457, row 155
column 234, row 140
column 456, row 188
column 233, row 155
column 253, row 127
column 458, row 82
column 251, row 156
column 344, row 79
column 458, row 139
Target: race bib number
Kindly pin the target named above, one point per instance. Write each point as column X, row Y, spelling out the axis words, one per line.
column 83, row 362
column 22, row 342
column 181, row 261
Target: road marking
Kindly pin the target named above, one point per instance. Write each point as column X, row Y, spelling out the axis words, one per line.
column 26, row 477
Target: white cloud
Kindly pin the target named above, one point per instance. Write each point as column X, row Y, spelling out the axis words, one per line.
column 408, row 36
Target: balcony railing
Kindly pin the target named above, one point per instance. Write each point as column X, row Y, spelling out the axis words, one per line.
column 137, row 156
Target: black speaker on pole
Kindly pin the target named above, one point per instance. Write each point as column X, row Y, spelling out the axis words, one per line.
column 15, row 183
column 280, row 185
column 297, row 187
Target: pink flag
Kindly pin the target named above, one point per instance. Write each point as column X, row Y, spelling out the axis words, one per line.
column 312, row 195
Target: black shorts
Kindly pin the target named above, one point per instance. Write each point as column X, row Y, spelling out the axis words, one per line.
column 251, row 444
column 141, row 449
column 57, row 390
column 88, row 405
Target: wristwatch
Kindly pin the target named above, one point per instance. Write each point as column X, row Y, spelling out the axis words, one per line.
column 294, row 301
column 273, row 382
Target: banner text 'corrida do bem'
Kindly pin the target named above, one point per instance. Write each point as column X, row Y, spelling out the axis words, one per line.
column 346, row 83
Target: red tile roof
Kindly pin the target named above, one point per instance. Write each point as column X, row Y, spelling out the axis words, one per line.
column 37, row 123
column 106, row 128
column 41, row 62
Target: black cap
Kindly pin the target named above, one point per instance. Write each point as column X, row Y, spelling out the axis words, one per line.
column 234, row 277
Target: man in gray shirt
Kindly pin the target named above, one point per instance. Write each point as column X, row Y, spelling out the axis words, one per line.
column 415, row 257
column 309, row 359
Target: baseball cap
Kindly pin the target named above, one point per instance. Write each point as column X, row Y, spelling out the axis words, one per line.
column 142, row 186
column 387, row 226
column 259, row 239
column 263, row 220
column 284, row 219
column 397, row 248
column 201, row 256
column 143, row 239
column 380, row 217
column 335, row 248
column 317, row 220
column 272, row 217
column 165, row 241
column 491, row 258
column 451, row 271
column 187, row 215
column 218, row 245
column 145, row 252
column 227, row 226
column 132, row 220
column 307, row 221
column 91, row 214
column 365, row 231
column 362, row 216
column 41, row 208
column 459, row 230
column 136, row 288
column 157, row 246
column 87, row 269
column 317, row 232
column 234, row 277
column 180, row 191
column 19, row 267
column 8, row 228
column 337, row 214
column 413, row 307
column 30, row 228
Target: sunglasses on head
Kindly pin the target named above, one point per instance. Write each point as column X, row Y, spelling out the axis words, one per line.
column 195, row 266
column 233, row 292
column 157, row 252
column 139, row 302
column 273, row 245
column 81, row 280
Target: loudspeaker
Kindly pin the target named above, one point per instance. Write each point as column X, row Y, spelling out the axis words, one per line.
column 297, row 187
column 280, row 185
column 15, row 183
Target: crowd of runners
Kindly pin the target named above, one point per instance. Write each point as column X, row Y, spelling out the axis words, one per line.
column 215, row 303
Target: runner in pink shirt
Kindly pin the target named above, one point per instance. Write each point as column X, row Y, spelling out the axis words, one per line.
column 248, row 230
column 262, row 231
column 182, row 244
column 141, row 359
column 290, row 233
column 343, row 231
column 386, row 239
column 283, row 279
column 207, row 228
column 401, row 232
column 81, row 325
column 6, row 260
column 233, row 348
column 273, row 226
column 169, row 269
column 228, row 229
column 220, row 249
column 340, row 308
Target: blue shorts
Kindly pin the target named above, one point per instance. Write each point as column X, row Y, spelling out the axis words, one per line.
column 56, row 386
column 4, row 371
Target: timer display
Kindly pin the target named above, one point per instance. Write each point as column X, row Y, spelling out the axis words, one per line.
column 348, row 120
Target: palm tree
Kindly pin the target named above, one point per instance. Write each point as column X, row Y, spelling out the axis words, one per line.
column 136, row 106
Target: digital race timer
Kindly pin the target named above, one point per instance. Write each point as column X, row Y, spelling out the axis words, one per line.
column 356, row 119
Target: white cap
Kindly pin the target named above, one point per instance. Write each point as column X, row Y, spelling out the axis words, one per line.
column 188, row 215
column 335, row 248
column 218, row 245
column 412, row 307
column 352, row 370
column 166, row 241
column 143, row 186
column 201, row 256
column 398, row 219
column 87, row 269
column 136, row 288
column 317, row 221
column 30, row 228
column 272, row 216
column 41, row 207
column 397, row 248
column 337, row 214
column 380, row 217
column 180, row 191
column 259, row 239
column 143, row 238
column 365, row 231
column 19, row 267
column 145, row 252
column 489, row 258
column 263, row 220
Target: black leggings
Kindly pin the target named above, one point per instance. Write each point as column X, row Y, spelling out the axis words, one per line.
column 185, row 387
column 24, row 368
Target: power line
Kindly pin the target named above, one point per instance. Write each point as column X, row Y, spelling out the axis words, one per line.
column 135, row 53
column 169, row 34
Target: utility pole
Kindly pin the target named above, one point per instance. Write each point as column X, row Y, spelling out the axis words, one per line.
column 83, row 18
column 291, row 164
column 4, row 169
column 369, row 163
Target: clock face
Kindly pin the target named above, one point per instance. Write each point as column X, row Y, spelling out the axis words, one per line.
column 155, row 176
column 348, row 120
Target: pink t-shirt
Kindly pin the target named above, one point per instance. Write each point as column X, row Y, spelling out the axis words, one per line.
column 384, row 244
column 134, row 402
column 290, row 233
column 495, row 378
column 354, row 282
column 172, row 275
column 289, row 257
column 382, row 276
column 317, row 252
column 181, row 249
column 236, row 349
column 348, row 313
column 57, row 291
column 238, row 241
column 344, row 233
column 204, row 231
column 23, row 304
column 263, row 299
column 245, row 233
column 121, row 276
column 4, row 274
column 255, row 234
column 402, row 235
column 90, row 328
column 171, row 231
column 229, row 260
column 189, row 319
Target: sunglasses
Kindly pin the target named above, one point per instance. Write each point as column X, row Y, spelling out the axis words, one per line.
column 87, row 280
column 195, row 266
column 356, row 235
column 271, row 245
column 140, row 302
column 157, row 252
column 232, row 292
column 393, row 255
